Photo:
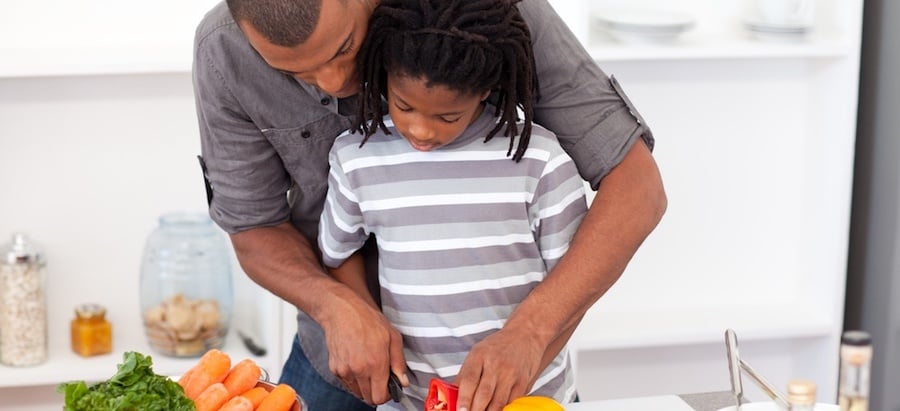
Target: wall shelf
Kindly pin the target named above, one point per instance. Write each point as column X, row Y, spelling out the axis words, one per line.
column 678, row 326
column 721, row 50
column 63, row 365
column 270, row 331
column 94, row 60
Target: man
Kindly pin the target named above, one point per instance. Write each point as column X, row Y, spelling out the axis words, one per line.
column 275, row 83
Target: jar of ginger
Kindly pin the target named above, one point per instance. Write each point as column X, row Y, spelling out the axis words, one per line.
column 91, row 332
column 186, row 289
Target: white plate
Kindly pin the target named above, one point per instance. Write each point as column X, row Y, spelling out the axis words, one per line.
column 635, row 37
column 777, row 37
column 644, row 26
column 770, row 406
column 759, row 25
column 645, row 20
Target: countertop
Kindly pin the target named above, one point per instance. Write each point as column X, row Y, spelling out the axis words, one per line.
column 711, row 401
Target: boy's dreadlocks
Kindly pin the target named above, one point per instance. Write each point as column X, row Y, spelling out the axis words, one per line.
column 470, row 46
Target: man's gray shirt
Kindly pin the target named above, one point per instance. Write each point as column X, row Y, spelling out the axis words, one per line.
column 265, row 136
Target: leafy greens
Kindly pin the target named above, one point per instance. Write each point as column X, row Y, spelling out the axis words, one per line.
column 134, row 387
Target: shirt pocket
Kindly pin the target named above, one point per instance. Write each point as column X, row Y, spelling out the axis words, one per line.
column 304, row 150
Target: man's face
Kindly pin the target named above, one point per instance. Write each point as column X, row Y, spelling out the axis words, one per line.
column 327, row 59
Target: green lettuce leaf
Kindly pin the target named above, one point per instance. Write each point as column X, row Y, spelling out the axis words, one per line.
column 134, row 387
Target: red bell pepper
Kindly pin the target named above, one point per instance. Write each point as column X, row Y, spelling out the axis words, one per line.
column 441, row 396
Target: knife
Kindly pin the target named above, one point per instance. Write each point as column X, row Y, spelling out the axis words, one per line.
column 395, row 388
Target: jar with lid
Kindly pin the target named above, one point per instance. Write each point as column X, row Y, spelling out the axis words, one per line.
column 856, row 363
column 186, row 289
column 91, row 332
column 801, row 394
column 23, row 306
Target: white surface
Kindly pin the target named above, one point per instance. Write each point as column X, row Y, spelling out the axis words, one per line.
column 770, row 406
column 655, row 403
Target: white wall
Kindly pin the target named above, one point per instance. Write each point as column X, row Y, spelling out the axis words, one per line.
column 87, row 164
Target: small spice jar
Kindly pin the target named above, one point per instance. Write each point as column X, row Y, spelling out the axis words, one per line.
column 23, row 308
column 91, row 332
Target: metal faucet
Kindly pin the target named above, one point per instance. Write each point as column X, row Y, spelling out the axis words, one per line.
column 736, row 365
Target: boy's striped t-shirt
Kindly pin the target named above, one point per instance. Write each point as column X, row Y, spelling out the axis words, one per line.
column 464, row 233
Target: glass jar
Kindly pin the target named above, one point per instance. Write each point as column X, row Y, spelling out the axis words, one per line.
column 186, row 289
column 23, row 305
column 91, row 332
column 856, row 367
column 801, row 394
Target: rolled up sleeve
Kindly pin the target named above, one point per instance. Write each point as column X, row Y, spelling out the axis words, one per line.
column 594, row 120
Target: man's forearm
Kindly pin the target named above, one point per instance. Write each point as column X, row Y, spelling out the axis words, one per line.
column 282, row 261
column 630, row 202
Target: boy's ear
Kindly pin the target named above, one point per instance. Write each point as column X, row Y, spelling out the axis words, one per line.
column 485, row 95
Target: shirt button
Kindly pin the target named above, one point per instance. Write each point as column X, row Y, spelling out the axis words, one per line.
column 305, row 134
column 325, row 101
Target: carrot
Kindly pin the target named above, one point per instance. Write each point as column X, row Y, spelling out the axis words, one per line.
column 186, row 378
column 281, row 398
column 212, row 398
column 212, row 367
column 255, row 395
column 242, row 377
column 237, row 404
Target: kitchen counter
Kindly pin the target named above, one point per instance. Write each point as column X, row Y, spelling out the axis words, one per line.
column 711, row 401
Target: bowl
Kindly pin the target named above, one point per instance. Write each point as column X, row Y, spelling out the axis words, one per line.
column 300, row 405
column 771, row 406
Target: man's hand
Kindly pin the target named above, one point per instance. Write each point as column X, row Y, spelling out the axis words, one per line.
column 499, row 369
column 362, row 346
column 363, row 349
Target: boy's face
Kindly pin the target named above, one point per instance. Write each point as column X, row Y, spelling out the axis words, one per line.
column 430, row 117
column 327, row 59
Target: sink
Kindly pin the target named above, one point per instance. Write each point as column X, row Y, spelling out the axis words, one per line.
column 654, row 403
column 770, row 406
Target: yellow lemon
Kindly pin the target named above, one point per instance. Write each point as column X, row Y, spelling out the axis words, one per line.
column 533, row 403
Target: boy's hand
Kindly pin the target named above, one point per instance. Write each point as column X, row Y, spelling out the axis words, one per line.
column 500, row 368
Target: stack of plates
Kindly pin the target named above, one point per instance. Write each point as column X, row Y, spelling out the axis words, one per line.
column 763, row 30
column 644, row 26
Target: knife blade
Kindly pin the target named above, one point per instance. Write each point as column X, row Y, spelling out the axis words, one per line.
column 395, row 388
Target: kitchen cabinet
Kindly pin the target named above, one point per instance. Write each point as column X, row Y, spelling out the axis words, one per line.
column 755, row 144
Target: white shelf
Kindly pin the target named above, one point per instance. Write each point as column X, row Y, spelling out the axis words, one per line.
column 22, row 63
column 663, row 328
column 733, row 49
column 63, row 365
column 97, row 60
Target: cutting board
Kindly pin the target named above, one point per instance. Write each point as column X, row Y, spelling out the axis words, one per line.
column 656, row 403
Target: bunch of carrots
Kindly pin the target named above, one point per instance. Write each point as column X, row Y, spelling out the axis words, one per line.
column 214, row 385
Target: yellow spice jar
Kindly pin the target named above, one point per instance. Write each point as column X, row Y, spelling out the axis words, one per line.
column 91, row 332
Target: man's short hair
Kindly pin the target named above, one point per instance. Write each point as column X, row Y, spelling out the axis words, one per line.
column 286, row 23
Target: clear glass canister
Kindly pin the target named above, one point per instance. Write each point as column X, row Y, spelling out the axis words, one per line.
column 23, row 305
column 186, row 289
